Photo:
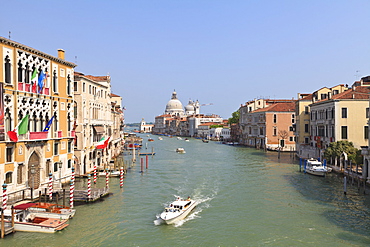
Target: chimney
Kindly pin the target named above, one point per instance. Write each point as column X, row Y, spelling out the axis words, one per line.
column 61, row 54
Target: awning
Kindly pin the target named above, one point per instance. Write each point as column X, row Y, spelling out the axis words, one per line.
column 99, row 129
column 24, row 206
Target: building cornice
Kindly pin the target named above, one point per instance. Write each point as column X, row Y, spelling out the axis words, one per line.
column 34, row 51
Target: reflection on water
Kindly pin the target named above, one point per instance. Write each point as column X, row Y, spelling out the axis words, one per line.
column 246, row 198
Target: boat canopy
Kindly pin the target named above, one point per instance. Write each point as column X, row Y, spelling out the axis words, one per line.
column 24, row 206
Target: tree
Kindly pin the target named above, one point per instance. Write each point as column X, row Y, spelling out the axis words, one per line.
column 234, row 117
column 336, row 149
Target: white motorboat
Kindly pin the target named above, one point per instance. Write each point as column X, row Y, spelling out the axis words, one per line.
column 25, row 221
column 179, row 138
column 177, row 210
column 160, row 138
column 315, row 167
column 47, row 210
column 180, row 150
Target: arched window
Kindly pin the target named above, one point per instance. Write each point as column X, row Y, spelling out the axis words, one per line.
column 20, row 72
column 55, row 122
column 34, row 122
column 55, row 81
column 68, row 84
column 7, row 69
column 27, row 75
column 8, row 120
column 40, row 123
column 69, row 122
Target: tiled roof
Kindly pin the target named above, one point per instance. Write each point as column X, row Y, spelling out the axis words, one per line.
column 164, row 115
column 98, row 78
column 278, row 107
column 359, row 92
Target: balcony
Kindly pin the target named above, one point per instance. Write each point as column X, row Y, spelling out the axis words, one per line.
column 72, row 133
column 38, row 135
column 58, row 134
column 27, row 87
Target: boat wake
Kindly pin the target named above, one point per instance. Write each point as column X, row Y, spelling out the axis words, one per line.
column 158, row 221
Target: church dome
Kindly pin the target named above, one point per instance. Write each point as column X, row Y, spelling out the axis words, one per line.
column 174, row 105
column 190, row 106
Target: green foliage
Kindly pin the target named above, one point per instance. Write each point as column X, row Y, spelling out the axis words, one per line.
column 216, row 126
column 336, row 149
column 234, row 117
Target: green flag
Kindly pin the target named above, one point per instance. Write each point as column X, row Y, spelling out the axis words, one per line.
column 23, row 126
column 34, row 74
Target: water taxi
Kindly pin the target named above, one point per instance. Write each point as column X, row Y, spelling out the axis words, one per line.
column 315, row 167
column 177, row 210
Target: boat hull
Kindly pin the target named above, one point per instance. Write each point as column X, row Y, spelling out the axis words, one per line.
column 49, row 226
column 316, row 173
column 179, row 217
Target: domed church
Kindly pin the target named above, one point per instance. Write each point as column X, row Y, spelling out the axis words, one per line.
column 174, row 107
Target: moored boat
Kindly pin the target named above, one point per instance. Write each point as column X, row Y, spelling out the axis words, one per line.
column 315, row 167
column 48, row 210
column 177, row 210
column 25, row 221
column 204, row 140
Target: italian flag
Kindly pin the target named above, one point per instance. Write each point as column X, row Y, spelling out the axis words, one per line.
column 103, row 143
column 20, row 129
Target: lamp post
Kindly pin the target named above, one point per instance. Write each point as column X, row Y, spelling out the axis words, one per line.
column 60, row 173
column 33, row 171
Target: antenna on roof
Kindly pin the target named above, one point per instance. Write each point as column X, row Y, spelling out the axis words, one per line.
column 357, row 74
column 75, row 59
column 9, row 34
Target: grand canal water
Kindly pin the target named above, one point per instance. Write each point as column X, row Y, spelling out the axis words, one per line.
column 247, row 198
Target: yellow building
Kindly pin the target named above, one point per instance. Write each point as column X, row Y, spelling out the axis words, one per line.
column 304, row 145
column 343, row 116
column 39, row 85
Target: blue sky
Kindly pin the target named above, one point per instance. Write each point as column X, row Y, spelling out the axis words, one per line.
column 221, row 52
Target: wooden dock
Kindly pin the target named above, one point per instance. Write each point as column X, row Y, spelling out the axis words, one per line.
column 80, row 196
column 5, row 226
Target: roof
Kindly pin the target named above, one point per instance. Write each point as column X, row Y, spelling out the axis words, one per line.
column 278, row 107
column 37, row 52
column 354, row 93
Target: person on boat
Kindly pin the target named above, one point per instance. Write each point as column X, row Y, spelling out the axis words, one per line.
column 188, row 198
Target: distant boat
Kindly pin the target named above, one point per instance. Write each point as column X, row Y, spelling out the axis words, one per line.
column 150, row 140
column 204, row 140
column 180, row 150
column 160, row 138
